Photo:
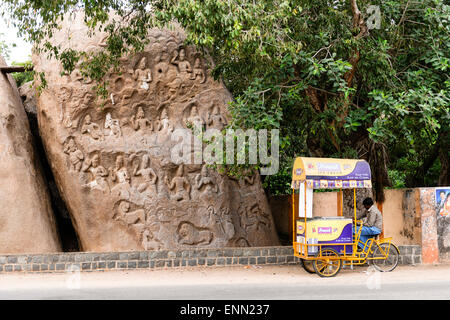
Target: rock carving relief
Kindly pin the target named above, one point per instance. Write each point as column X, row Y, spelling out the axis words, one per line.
column 204, row 182
column 98, row 174
column 189, row 234
column 142, row 75
column 91, row 129
column 148, row 174
column 139, row 122
column 253, row 217
column 180, row 186
column 113, row 126
column 76, row 156
column 122, row 186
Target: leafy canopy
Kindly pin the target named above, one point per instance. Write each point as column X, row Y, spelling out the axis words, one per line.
column 365, row 79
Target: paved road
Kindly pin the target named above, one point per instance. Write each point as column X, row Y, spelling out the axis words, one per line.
column 232, row 283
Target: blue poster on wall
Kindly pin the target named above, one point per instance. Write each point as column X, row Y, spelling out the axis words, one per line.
column 443, row 221
column 443, row 201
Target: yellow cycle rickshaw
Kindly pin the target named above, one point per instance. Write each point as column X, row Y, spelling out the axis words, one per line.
column 325, row 244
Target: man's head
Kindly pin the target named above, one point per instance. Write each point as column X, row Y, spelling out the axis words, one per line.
column 367, row 203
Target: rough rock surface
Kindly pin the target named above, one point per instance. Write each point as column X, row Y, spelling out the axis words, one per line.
column 27, row 224
column 112, row 162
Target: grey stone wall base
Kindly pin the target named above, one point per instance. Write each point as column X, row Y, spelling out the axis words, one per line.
column 135, row 260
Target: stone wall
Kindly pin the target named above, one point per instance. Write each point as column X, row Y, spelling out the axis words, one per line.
column 83, row 261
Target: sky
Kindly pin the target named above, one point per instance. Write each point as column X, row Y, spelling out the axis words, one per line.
column 22, row 51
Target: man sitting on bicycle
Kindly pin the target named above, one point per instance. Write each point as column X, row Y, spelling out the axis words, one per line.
column 372, row 222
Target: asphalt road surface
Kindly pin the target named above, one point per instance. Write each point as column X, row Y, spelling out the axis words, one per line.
column 232, row 283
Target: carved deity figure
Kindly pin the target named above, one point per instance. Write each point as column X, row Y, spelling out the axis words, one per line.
column 190, row 235
column 65, row 93
column 76, row 157
column 113, row 125
column 223, row 220
column 216, row 120
column 120, row 175
column 180, row 184
column 184, row 67
column 195, row 119
column 161, row 66
column 139, row 122
column 91, row 128
column 142, row 74
column 164, row 123
column 175, row 86
column 204, row 180
column 148, row 173
column 120, row 172
column 198, row 71
column 98, row 173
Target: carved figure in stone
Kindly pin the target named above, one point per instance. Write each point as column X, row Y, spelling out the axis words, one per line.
column 191, row 235
column 120, row 175
column 65, row 94
column 148, row 173
column 76, row 109
column 164, row 124
column 180, row 184
column 184, row 67
column 130, row 218
column 140, row 122
column 149, row 240
column 142, row 74
column 176, row 86
column 91, row 128
column 161, row 66
column 227, row 223
column 76, row 157
column 98, row 172
column 253, row 217
column 195, row 119
column 216, row 120
column 198, row 71
column 120, row 172
column 113, row 125
column 204, row 180
column 223, row 220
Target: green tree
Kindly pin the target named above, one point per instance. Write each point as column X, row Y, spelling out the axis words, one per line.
column 366, row 79
column 5, row 50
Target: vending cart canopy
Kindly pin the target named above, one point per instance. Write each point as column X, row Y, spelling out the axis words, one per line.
column 329, row 173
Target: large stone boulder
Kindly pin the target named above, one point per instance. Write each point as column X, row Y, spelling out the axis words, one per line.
column 27, row 224
column 112, row 159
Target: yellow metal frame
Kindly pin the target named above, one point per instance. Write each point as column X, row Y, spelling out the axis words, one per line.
column 356, row 258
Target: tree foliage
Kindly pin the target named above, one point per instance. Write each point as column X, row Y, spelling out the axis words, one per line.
column 366, row 79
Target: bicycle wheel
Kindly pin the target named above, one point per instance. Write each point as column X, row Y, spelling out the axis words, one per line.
column 329, row 264
column 385, row 257
column 307, row 265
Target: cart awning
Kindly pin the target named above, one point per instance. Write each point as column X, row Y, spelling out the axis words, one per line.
column 329, row 173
